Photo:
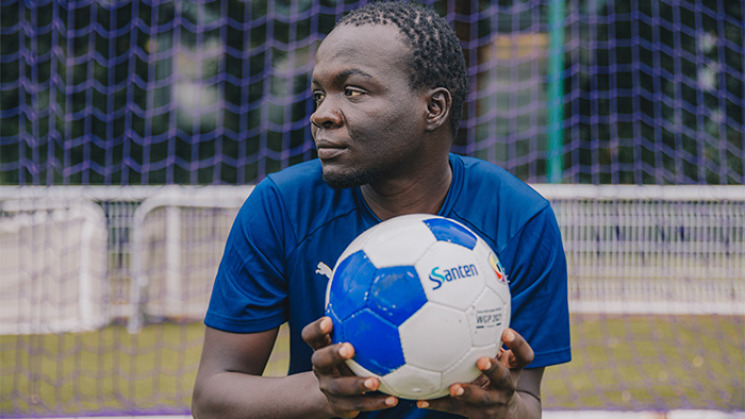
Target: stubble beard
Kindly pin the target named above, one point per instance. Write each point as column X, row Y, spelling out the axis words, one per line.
column 351, row 179
column 370, row 174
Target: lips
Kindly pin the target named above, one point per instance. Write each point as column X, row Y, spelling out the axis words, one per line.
column 328, row 150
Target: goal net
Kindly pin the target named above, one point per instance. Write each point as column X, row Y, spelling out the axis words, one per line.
column 101, row 296
column 656, row 296
column 216, row 91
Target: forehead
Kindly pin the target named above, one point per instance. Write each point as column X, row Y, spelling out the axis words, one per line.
column 376, row 49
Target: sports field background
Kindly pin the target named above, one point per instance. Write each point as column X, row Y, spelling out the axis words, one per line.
column 98, row 96
column 673, row 362
column 655, row 286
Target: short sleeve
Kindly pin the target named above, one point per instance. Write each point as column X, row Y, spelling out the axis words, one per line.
column 250, row 289
column 535, row 262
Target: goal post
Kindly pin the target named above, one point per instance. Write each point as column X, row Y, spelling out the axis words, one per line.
column 178, row 237
column 53, row 265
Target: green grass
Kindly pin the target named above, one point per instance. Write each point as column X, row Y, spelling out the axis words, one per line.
column 651, row 363
column 105, row 370
column 620, row 362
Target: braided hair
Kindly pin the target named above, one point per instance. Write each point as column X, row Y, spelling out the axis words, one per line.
column 436, row 54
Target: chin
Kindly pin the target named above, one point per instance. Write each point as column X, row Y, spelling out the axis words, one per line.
column 347, row 180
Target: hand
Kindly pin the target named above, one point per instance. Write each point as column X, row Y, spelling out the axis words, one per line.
column 344, row 391
column 493, row 394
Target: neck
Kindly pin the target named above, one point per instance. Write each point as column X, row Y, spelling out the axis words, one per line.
column 423, row 195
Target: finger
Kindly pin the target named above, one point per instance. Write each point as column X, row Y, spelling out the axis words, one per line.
column 481, row 381
column 463, row 395
column 349, row 386
column 367, row 403
column 500, row 377
column 355, row 394
column 495, row 387
column 444, row 404
column 316, row 334
column 455, row 402
column 520, row 354
column 331, row 357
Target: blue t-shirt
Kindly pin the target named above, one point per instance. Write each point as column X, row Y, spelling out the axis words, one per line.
column 293, row 227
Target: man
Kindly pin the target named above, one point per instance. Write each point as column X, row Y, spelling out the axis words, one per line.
column 389, row 83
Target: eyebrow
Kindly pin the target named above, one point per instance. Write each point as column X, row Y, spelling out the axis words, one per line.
column 344, row 75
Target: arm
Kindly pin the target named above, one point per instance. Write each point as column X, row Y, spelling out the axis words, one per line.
column 229, row 382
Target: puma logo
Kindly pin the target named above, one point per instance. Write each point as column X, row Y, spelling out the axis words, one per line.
column 324, row 270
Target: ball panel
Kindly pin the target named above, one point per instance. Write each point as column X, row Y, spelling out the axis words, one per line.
column 506, row 312
column 451, row 231
column 411, row 382
column 435, row 337
column 337, row 332
column 465, row 371
column 361, row 371
column 376, row 342
column 450, row 275
column 355, row 245
column 350, row 284
column 399, row 243
column 486, row 318
column 396, row 293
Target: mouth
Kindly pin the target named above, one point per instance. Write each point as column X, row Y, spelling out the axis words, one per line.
column 328, row 150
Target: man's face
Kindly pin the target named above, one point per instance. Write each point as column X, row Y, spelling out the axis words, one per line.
column 368, row 121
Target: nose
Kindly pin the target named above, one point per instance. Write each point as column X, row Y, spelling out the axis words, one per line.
column 327, row 115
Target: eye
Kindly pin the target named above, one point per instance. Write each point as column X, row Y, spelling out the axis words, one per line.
column 352, row 92
column 318, row 97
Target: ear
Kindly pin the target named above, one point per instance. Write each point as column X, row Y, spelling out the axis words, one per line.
column 439, row 105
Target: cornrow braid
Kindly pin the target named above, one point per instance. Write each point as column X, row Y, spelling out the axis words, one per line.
column 436, row 54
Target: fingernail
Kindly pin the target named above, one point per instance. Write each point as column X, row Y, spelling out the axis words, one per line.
column 459, row 391
column 422, row 404
column 390, row 401
column 509, row 336
column 344, row 351
column 326, row 323
column 483, row 364
column 370, row 384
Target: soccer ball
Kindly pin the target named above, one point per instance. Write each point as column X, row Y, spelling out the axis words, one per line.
column 421, row 298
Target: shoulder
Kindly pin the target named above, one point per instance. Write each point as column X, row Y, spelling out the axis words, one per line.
column 488, row 179
column 298, row 177
column 298, row 198
column 494, row 201
column 291, row 186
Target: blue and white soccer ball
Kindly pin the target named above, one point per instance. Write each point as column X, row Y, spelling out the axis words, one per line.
column 421, row 298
